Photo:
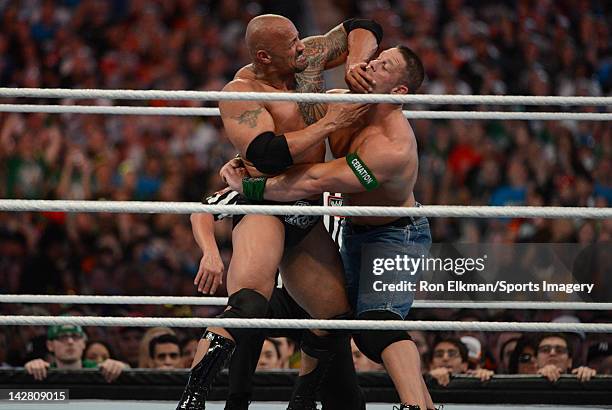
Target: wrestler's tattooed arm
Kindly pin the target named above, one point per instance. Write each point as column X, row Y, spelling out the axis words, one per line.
column 322, row 52
column 248, row 117
column 245, row 120
column 328, row 51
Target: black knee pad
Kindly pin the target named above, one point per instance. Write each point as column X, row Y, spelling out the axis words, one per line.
column 372, row 342
column 245, row 304
column 320, row 346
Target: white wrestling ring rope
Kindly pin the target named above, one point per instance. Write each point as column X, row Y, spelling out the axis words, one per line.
column 221, row 301
column 300, row 97
column 442, row 325
column 194, row 207
column 20, row 205
column 212, row 112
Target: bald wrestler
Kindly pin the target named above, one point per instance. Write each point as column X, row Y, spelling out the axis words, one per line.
column 271, row 136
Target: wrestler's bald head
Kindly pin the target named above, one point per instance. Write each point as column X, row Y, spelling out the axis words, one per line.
column 265, row 31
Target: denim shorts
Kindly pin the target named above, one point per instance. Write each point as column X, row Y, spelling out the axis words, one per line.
column 361, row 244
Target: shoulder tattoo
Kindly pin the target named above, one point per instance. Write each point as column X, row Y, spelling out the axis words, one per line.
column 248, row 117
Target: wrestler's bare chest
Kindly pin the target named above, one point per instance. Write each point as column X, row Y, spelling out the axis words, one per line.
column 290, row 116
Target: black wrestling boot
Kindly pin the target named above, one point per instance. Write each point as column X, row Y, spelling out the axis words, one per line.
column 237, row 404
column 202, row 375
column 306, row 387
column 322, row 348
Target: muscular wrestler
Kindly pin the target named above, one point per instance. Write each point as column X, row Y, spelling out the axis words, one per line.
column 380, row 169
column 339, row 388
column 272, row 136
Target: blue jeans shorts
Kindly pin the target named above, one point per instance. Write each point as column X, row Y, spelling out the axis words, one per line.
column 405, row 239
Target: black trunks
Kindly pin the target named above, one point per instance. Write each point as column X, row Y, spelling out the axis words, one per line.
column 296, row 226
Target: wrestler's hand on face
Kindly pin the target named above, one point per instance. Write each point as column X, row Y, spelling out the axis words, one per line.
column 210, row 273
column 358, row 79
column 233, row 176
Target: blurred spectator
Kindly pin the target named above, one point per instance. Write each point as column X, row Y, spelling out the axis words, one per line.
column 523, row 357
column 554, row 358
column 52, row 270
column 287, row 349
column 450, row 356
column 505, row 353
column 189, row 347
column 67, row 344
column 28, row 342
column 599, row 357
column 97, row 351
column 129, row 345
column 478, row 352
column 3, row 349
column 165, row 352
column 270, row 356
column 145, row 360
column 574, row 339
column 474, row 351
column 420, row 339
column 361, row 361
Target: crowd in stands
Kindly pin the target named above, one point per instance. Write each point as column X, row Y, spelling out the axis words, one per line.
column 443, row 355
column 511, row 47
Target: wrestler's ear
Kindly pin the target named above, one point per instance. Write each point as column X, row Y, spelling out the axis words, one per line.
column 400, row 89
column 263, row 57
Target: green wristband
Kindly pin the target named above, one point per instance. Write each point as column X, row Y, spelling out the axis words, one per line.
column 362, row 172
column 253, row 188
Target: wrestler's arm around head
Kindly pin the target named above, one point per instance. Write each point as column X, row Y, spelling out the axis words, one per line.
column 336, row 47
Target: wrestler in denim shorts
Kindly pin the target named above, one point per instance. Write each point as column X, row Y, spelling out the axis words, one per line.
column 408, row 236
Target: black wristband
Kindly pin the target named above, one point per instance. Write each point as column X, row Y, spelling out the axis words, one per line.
column 370, row 25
